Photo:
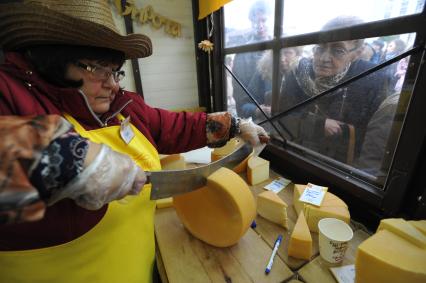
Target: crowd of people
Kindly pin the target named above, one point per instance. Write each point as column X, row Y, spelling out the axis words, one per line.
column 341, row 124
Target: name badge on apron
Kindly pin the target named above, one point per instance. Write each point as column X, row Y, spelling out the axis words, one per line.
column 126, row 131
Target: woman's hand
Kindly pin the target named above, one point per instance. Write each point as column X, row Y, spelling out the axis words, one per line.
column 252, row 133
column 332, row 127
column 108, row 176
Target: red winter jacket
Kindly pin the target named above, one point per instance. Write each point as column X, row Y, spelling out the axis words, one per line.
column 23, row 92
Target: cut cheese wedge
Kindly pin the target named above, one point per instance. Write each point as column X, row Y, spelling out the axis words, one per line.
column 390, row 256
column 242, row 167
column 420, row 225
column 219, row 213
column 300, row 245
column 164, row 202
column 225, row 150
column 405, row 230
column 172, row 162
column 272, row 207
column 257, row 170
column 331, row 206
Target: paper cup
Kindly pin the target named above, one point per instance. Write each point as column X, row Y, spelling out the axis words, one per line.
column 334, row 237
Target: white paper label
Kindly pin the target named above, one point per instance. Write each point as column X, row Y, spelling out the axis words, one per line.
column 277, row 185
column 344, row 274
column 126, row 131
column 313, row 194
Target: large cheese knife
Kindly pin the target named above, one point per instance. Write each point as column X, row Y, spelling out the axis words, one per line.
column 169, row 183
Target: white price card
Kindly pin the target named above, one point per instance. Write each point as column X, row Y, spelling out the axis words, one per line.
column 313, row 194
column 344, row 274
column 277, row 185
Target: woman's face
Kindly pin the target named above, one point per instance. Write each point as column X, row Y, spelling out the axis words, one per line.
column 333, row 58
column 99, row 84
column 391, row 47
column 288, row 56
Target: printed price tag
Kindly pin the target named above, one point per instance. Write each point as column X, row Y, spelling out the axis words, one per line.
column 344, row 274
column 126, row 131
column 313, row 194
column 277, row 185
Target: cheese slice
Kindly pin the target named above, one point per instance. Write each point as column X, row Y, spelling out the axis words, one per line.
column 257, row 170
column 405, row 230
column 164, row 202
column 331, row 206
column 225, row 150
column 388, row 257
column 420, row 225
column 220, row 212
column 172, row 162
column 300, row 245
column 270, row 206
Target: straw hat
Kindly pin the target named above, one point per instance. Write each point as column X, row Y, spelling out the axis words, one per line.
column 74, row 22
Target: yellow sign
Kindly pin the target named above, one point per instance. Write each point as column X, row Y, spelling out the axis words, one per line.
column 148, row 15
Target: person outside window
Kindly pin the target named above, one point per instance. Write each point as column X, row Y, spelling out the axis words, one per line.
column 260, row 86
column 244, row 64
column 333, row 125
column 73, row 141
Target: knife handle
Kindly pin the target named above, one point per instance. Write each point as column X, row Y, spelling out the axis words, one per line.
column 148, row 177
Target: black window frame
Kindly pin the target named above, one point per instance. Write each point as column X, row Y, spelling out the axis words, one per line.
column 404, row 177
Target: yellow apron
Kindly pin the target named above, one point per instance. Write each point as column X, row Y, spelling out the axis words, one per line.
column 120, row 248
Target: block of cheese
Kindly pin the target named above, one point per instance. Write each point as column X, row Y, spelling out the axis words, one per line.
column 225, row 150
column 300, row 245
column 420, row 225
column 257, row 170
column 220, row 212
column 272, row 207
column 403, row 229
column 242, row 167
column 390, row 257
column 164, row 202
column 331, row 206
column 172, row 162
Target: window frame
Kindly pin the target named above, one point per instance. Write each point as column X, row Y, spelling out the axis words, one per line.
column 413, row 134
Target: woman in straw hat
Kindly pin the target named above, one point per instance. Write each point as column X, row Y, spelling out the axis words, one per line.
column 62, row 68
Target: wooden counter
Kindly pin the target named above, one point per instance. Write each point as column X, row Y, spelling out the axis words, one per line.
column 183, row 258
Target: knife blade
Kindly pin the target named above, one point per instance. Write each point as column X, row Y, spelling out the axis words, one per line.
column 169, row 183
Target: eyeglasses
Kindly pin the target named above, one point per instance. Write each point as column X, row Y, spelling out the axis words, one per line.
column 102, row 73
column 335, row 51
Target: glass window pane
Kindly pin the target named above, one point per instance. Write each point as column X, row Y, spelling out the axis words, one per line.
column 316, row 13
column 254, row 71
column 357, row 125
column 248, row 21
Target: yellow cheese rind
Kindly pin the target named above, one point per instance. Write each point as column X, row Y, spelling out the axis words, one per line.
column 173, row 162
column 331, row 206
column 420, row 225
column 403, row 229
column 257, row 170
column 387, row 257
column 219, row 213
column 242, row 167
column 271, row 207
column 164, row 202
column 225, row 150
column 300, row 245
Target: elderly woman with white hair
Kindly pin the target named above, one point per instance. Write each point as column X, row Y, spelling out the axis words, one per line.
column 335, row 124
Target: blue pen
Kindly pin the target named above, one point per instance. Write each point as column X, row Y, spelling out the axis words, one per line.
column 274, row 252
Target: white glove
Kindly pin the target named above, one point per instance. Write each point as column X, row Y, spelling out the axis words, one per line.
column 252, row 133
column 110, row 176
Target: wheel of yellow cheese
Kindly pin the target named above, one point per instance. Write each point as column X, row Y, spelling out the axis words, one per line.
column 219, row 213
